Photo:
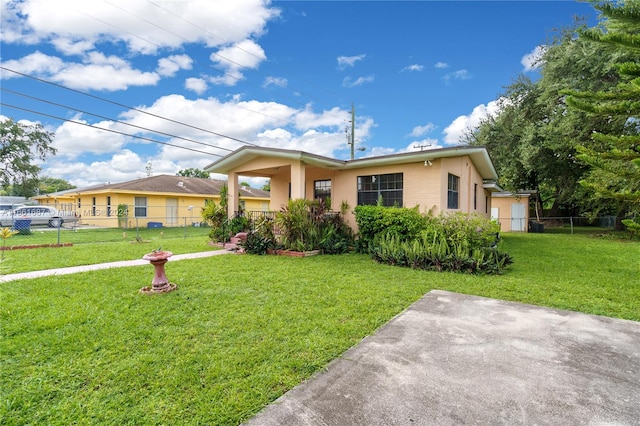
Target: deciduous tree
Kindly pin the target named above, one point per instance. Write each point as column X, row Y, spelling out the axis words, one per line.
column 20, row 146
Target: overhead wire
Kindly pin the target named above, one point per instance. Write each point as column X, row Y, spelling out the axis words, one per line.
column 226, row 74
column 4, row 89
column 216, row 54
column 106, row 130
column 149, row 113
column 127, row 106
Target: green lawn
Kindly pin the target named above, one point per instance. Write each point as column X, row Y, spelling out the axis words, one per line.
column 241, row 330
column 98, row 246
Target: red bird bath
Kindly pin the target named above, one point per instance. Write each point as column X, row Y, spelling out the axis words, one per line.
column 160, row 283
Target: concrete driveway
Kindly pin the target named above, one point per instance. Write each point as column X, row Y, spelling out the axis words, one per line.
column 453, row 359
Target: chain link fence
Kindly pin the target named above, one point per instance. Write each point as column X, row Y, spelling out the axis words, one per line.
column 574, row 224
column 48, row 224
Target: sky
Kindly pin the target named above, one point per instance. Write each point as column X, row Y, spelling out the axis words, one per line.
column 138, row 87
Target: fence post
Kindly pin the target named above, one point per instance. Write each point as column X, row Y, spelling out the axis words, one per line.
column 571, row 219
column 185, row 227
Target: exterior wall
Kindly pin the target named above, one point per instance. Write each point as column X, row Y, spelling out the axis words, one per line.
column 470, row 182
column 503, row 204
column 423, row 185
column 188, row 209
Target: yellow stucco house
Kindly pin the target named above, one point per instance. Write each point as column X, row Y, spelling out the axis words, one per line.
column 165, row 199
column 440, row 180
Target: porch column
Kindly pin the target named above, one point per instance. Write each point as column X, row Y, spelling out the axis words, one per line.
column 232, row 185
column 298, row 180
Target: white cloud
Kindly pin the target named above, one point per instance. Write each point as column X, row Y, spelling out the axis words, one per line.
column 533, row 60
column 197, row 85
column 422, row 130
column 457, row 75
column 414, row 67
column 83, row 29
column 349, row 82
column 168, row 67
column 238, row 119
column 349, row 61
column 73, row 140
column 246, row 54
column 307, row 119
column 275, row 81
column 123, row 166
column 441, row 65
column 73, row 25
column 97, row 72
column 36, row 63
column 455, row 132
column 108, row 77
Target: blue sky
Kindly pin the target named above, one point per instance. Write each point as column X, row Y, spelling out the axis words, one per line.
column 278, row 74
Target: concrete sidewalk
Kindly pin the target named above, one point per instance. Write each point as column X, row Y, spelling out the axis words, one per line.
column 98, row 266
column 453, row 359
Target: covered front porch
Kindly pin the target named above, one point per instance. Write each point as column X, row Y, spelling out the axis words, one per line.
column 292, row 175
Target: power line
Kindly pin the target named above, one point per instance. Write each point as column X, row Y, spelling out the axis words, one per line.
column 201, row 28
column 112, row 119
column 107, row 130
column 127, row 106
column 215, row 54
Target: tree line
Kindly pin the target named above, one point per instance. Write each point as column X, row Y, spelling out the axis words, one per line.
column 573, row 134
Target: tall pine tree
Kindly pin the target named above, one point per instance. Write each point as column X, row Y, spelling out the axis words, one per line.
column 614, row 157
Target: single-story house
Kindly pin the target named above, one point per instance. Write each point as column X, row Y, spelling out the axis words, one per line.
column 458, row 179
column 511, row 210
column 170, row 200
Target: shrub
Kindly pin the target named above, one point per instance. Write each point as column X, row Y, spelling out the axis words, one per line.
column 404, row 223
column 633, row 227
column 261, row 239
column 435, row 252
column 449, row 242
column 308, row 225
column 471, row 230
column 216, row 217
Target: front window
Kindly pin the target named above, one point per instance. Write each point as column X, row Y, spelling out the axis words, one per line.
column 140, row 207
column 93, row 206
column 322, row 190
column 108, row 206
column 452, row 191
column 388, row 187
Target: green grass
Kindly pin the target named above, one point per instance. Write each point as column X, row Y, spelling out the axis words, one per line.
column 43, row 235
column 241, row 330
column 92, row 248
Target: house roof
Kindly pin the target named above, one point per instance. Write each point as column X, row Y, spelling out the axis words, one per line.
column 522, row 193
column 166, row 184
column 478, row 155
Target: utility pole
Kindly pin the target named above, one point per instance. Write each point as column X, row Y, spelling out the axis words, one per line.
column 353, row 131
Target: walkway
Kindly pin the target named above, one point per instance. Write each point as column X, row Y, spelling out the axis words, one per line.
column 98, row 266
column 455, row 359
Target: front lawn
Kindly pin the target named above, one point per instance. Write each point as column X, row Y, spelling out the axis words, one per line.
column 97, row 246
column 241, row 330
